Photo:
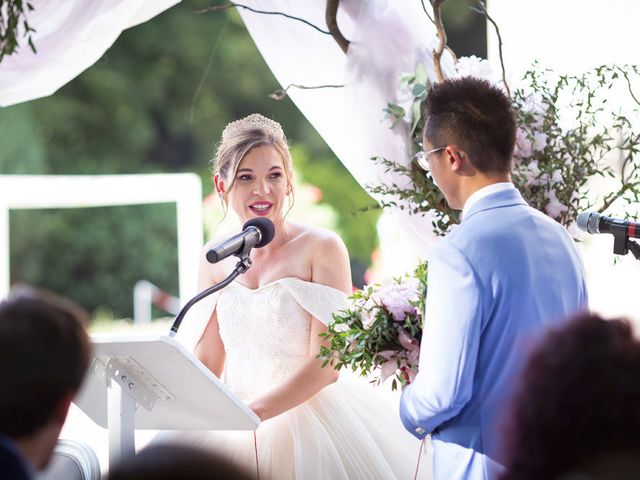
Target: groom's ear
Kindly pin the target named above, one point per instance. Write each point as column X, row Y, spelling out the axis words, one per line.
column 456, row 158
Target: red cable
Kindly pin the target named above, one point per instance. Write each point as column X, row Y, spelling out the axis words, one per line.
column 255, row 447
column 415, row 476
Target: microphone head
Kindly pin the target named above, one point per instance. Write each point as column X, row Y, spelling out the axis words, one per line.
column 266, row 228
column 588, row 221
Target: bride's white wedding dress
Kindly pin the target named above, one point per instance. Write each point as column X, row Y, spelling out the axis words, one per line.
column 345, row 431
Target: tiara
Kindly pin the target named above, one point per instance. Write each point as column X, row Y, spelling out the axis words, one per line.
column 255, row 121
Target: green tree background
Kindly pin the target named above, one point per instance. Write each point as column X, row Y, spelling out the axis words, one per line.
column 155, row 102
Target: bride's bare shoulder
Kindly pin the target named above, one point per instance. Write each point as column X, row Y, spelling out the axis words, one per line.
column 323, row 247
column 309, row 236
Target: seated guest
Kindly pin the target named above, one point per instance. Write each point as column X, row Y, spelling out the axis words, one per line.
column 577, row 412
column 44, row 354
column 173, row 462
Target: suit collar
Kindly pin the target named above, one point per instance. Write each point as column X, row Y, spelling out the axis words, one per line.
column 503, row 198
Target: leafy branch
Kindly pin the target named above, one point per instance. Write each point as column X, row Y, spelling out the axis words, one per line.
column 566, row 137
column 13, row 15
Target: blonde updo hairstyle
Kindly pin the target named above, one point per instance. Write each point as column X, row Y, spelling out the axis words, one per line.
column 238, row 139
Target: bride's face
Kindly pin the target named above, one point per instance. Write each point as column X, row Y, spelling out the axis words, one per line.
column 260, row 186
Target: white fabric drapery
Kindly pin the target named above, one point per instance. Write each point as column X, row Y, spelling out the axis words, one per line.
column 387, row 39
column 70, row 37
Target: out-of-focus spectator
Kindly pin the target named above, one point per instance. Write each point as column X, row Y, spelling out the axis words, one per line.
column 577, row 413
column 44, row 354
column 177, row 462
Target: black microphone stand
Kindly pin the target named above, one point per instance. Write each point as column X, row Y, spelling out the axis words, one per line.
column 622, row 244
column 241, row 267
column 634, row 248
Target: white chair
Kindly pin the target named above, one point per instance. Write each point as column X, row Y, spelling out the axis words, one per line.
column 72, row 460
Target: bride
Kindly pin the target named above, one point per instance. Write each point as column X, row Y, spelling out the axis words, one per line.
column 260, row 335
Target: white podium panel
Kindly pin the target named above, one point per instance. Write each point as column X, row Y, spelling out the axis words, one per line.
column 171, row 389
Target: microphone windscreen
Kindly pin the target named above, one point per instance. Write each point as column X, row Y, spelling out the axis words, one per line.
column 266, row 227
column 588, row 221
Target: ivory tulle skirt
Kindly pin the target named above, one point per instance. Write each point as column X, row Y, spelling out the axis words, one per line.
column 346, row 431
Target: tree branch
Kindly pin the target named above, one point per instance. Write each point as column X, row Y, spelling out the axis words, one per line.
column 626, row 77
column 442, row 35
column 426, row 12
column 219, row 8
column 495, row 26
column 331, row 15
column 612, row 197
column 281, row 93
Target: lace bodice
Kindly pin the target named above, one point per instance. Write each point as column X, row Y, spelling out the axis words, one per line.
column 266, row 331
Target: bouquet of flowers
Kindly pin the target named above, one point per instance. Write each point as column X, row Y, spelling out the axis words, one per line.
column 379, row 334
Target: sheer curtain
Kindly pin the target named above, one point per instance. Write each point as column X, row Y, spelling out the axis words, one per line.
column 387, row 38
column 70, row 37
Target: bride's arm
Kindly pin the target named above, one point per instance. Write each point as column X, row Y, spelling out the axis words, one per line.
column 209, row 349
column 330, row 267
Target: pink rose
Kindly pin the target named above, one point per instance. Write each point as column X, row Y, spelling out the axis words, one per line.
column 397, row 298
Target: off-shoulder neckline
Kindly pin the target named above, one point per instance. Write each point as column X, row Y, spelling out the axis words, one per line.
column 266, row 285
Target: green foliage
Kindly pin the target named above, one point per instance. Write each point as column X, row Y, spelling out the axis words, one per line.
column 13, row 24
column 566, row 135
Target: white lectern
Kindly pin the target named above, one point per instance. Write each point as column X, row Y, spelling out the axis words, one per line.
column 154, row 383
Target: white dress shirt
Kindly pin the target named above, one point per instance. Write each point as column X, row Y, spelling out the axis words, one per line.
column 483, row 192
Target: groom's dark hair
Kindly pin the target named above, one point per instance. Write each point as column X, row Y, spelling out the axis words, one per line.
column 476, row 116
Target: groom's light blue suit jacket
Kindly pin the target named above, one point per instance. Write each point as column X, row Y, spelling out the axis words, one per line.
column 496, row 283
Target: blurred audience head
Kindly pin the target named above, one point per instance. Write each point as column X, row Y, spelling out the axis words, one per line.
column 577, row 412
column 177, row 462
column 44, row 354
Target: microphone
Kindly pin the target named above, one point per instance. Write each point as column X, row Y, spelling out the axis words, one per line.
column 594, row 222
column 257, row 232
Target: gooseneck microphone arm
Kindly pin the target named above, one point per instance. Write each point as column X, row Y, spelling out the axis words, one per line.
column 256, row 233
column 241, row 267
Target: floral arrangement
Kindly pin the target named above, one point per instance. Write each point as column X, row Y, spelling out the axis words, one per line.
column 379, row 334
column 567, row 135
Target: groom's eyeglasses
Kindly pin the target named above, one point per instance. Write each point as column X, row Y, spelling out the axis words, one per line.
column 422, row 157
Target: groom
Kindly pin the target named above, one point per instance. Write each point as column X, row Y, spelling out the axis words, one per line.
column 496, row 282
